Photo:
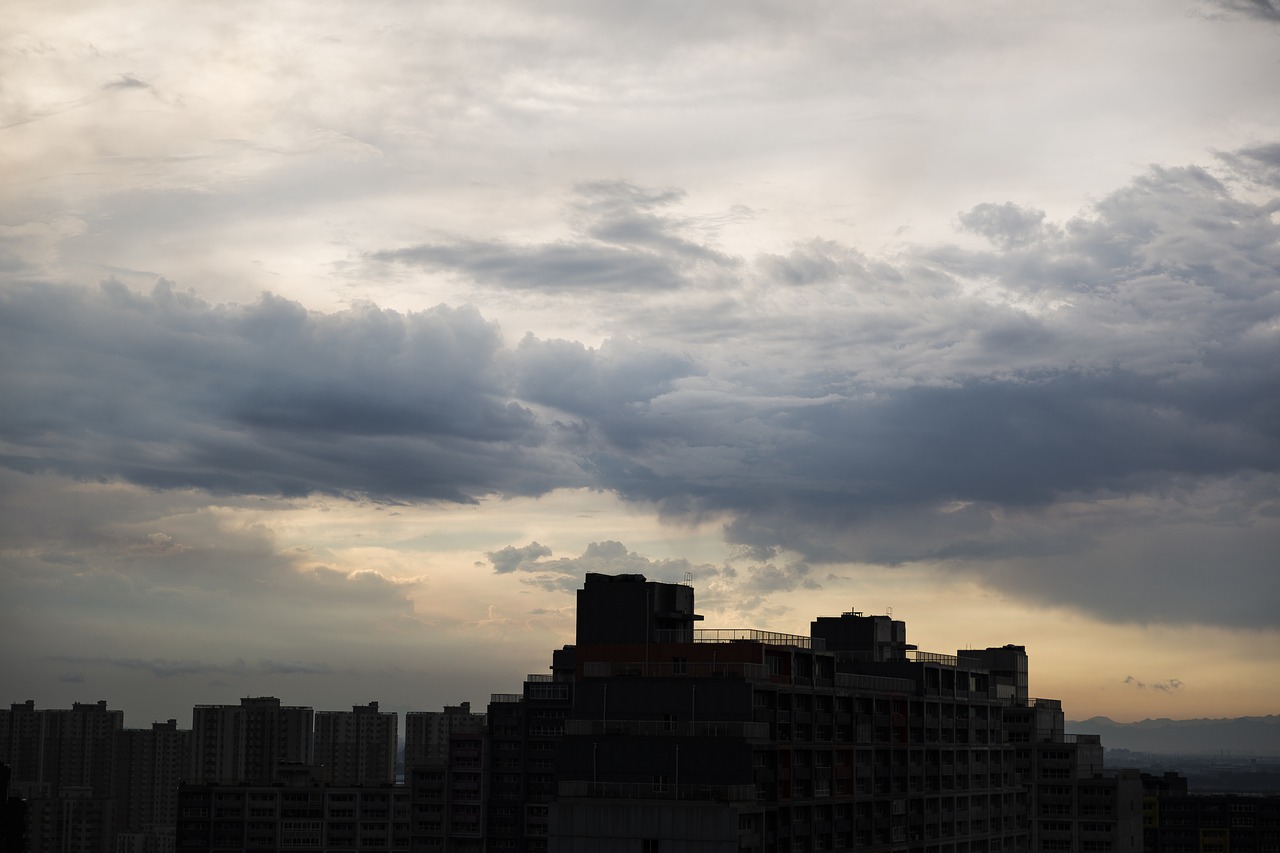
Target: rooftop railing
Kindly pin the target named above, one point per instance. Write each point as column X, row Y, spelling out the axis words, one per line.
column 737, row 635
column 932, row 657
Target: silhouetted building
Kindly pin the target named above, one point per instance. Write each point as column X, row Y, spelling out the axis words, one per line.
column 357, row 747
column 13, row 816
column 1073, row 803
column 448, row 799
column 426, row 733
column 849, row 738
column 746, row 740
column 63, row 761
column 648, row 734
column 280, row 817
column 1176, row 821
column 247, row 742
column 55, row 748
column 525, row 730
column 150, row 763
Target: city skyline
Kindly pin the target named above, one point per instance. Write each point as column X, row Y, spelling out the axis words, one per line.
column 337, row 346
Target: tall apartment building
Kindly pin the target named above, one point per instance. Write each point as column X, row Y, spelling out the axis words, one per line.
column 51, row 749
column 248, row 742
column 448, row 798
column 20, row 747
column 62, row 761
column 426, row 733
column 357, row 747
column 849, row 738
column 1074, row 804
column 149, row 765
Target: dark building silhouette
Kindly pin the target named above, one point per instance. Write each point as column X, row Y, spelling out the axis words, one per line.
column 294, row 815
column 249, row 741
column 62, row 762
column 426, row 734
column 149, row 766
column 1176, row 821
column 647, row 734
column 357, row 747
column 13, row 816
column 849, row 738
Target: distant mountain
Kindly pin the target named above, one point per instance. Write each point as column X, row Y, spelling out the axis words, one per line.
column 1241, row 735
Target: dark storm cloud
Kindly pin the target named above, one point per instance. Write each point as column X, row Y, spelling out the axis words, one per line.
column 168, row 391
column 598, row 383
column 624, row 245
column 1264, row 9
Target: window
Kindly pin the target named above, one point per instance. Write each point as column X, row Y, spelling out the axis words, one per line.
column 648, row 845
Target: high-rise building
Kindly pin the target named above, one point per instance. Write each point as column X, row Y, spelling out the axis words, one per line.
column 150, row 764
column 357, row 747
column 62, row 762
column 248, row 742
column 426, row 733
column 849, row 738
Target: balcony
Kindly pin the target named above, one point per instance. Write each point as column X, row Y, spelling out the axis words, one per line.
column 672, row 669
column 662, row 728
column 658, row 791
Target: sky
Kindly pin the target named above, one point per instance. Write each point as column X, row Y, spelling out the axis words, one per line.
column 339, row 341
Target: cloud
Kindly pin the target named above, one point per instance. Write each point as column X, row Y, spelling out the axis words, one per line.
column 1006, row 225
column 164, row 668
column 1263, row 9
column 609, row 557
column 1065, row 414
column 126, row 81
column 511, row 558
column 623, row 245
column 265, row 398
column 1169, row 685
column 740, row 586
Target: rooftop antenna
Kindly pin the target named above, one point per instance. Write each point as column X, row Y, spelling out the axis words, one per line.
column 889, row 611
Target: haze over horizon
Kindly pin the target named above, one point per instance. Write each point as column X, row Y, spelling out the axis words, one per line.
column 337, row 343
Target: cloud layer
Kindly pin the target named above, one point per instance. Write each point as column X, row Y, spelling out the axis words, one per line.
column 1037, row 398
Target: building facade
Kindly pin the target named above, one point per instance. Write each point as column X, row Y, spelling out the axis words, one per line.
column 357, row 747
column 250, row 741
column 847, row 739
column 216, row 818
column 426, row 734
